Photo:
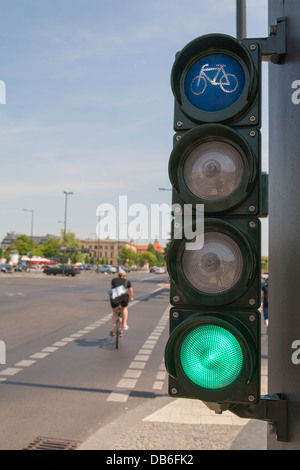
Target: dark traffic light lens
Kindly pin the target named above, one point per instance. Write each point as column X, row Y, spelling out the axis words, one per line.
column 216, row 267
column 211, row 357
column 213, row 171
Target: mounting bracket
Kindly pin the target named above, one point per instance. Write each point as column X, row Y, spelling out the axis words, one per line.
column 271, row 408
column 273, row 48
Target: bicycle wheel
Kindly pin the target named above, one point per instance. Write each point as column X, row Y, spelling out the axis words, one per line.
column 229, row 83
column 118, row 331
column 198, row 85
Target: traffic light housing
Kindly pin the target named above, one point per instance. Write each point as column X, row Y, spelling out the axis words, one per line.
column 205, row 93
column 214, row 259
column 213, row 355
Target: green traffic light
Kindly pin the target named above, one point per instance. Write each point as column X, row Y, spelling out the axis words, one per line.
column 211, row 357
column 213, row 351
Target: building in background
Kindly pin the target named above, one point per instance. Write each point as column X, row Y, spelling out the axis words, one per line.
column 107, row 249
column 142, row 248
column 11, row 237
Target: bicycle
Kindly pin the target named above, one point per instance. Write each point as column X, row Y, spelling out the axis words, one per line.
column 226, row 81
column 118, row 328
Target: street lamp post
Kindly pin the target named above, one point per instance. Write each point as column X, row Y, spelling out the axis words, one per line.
column 65, row 225
column 31, row 234
column 241, row 25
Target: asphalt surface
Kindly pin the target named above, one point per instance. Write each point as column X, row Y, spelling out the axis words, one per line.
column 181, row 425
column 164, row 423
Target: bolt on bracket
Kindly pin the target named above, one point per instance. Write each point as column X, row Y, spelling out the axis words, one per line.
column 273, row 48
column 271, row 408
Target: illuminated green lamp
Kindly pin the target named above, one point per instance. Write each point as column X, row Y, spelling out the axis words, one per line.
column 211, row 357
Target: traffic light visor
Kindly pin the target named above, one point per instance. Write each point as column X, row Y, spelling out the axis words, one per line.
column 217, row 166
column 216, row 268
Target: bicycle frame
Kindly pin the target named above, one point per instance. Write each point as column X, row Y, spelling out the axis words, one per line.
column 118, row 328
column 221, row 78
column 219, row 68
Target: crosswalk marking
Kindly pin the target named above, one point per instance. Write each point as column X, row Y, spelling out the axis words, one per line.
column 139, row 363
column 130, row 377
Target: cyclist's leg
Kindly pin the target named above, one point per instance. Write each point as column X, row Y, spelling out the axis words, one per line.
column 125, row 317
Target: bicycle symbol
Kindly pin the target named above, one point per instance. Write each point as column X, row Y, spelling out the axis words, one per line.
column 226, row 81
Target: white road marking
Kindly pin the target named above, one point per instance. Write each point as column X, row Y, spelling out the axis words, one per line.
column 10, row 371
column 25, row 363
column 130, row 376
column 140, row 361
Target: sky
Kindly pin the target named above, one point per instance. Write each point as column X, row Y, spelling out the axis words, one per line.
column 89, row 106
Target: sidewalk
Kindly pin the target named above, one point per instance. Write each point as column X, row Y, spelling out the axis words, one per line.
column 179, row 424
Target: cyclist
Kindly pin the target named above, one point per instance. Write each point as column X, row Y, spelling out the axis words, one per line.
column 116, row 282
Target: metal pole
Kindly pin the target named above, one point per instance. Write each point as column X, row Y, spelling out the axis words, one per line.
column 241, row 28
column 284, row 223
column 31, row 238
column 65, row 227
column 31, row 235
column 65, row 224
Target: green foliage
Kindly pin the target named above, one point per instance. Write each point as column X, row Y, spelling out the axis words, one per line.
column 22, row 245
column 264, row 263
column 127, row 256
column 147, row 256
column 50, row 248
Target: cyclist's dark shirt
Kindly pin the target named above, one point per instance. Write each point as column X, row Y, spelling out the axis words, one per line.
column 119, row 281
column 116, row 282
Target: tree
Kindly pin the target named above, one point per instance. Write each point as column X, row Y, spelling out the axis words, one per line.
column 72, row 242
column 160, row 259
column 151, row 248
column 127, row 256
column 22, row 245
column 50, row 248
column 146, row 256
column 264, row 263
column 166, row 249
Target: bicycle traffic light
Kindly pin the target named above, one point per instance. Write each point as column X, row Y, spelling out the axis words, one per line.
column 215, row 78
column 213, row 352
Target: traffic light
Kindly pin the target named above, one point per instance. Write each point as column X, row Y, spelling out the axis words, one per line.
column 214, row 260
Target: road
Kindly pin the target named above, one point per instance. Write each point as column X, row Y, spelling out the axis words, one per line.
column 63, row 377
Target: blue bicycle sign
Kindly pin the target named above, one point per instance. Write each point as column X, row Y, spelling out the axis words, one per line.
column 226, row 81
column 214, row 82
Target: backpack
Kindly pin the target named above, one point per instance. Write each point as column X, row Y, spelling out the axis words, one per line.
column 118, row 294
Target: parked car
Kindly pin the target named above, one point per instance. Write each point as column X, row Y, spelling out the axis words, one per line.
column 124, row 268
column 20, row 267
column 106, row 268
column 160, row 271
column 153, row 269
column 6, row 268
column 69, row 269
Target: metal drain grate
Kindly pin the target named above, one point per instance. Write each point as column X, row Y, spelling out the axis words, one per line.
column 49, row 443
